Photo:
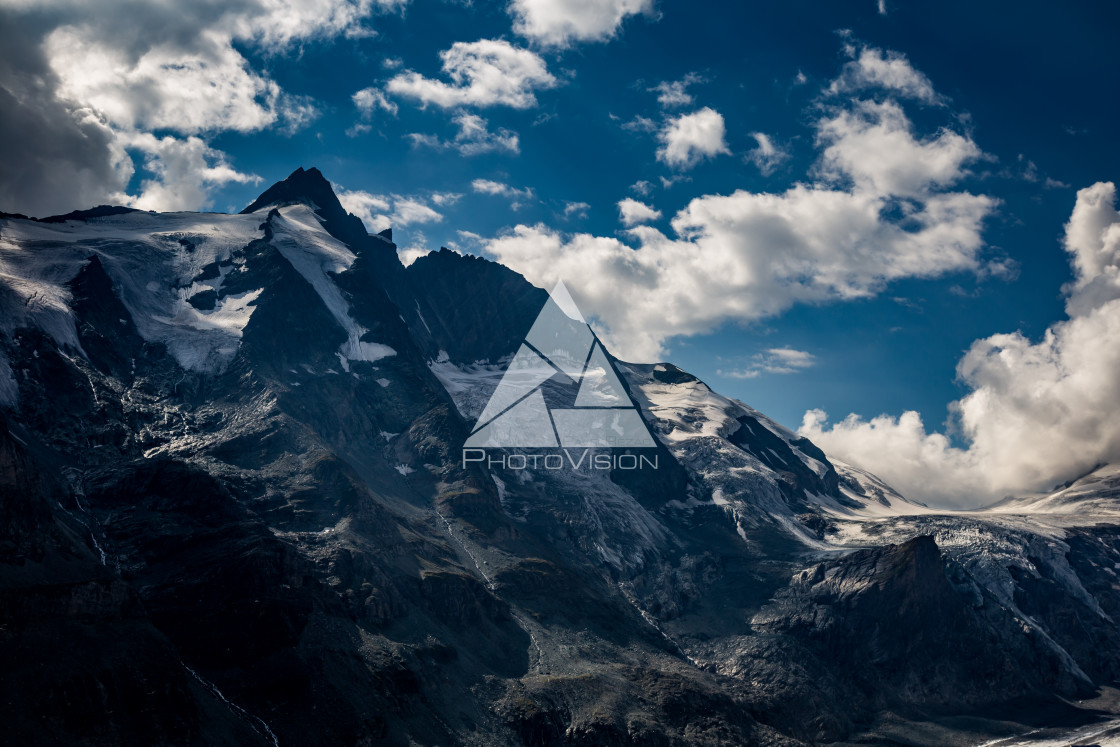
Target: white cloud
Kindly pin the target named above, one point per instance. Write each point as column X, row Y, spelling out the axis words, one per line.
column 474, row 137
column 561, row 22
column 641, row 187
column 155, row 68
column 410, row 210
column 488, row 72
column 1093, row 241
column 369, row 99
column 279, row 23
column 516, row 196
column 745, row 256
column 410, row 255
column 773, row 361
column 185, row 171
column 469, row 237
column 1038, row 413
column 379, row 211
column 137, row 69
column 490, row 187
column 369, row 207
column 631, row 212
column 885, row 70
column 675, row 93
column 444, row 198
column 576, row 209
column 690, row 138
column 212, row 88
column 766, row 156
column 873, row 144
column 640, row 124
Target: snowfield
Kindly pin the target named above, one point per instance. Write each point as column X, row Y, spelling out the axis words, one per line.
column 157, row 264
column 316, row 255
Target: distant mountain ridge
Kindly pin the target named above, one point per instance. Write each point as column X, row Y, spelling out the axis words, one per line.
column 233, row 510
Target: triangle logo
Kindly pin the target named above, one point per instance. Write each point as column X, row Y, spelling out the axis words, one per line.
column 560, row 347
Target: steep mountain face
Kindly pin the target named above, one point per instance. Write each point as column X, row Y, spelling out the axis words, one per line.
column 235, row 511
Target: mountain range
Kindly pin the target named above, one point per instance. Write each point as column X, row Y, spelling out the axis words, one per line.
column 234, row 510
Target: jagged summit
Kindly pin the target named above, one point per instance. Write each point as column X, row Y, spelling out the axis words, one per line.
column 310, row 187
column 302, row 185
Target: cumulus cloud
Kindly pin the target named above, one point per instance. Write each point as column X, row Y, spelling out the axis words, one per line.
column 473, row 138
column 488, row 72
column 81, row 82
column 766, row 155
column 56, row 156
column 772, row 361
column 410, row 210
column 1038, row 413
column 576, row 209
column 631, row 212
column 514, row 195
column 1093, row 242
column 369, row 100
column 873, row 144
column 381, row 211
column 211, row 88
column 411, row 254
column 675, row 93
column 185, row 172
column 888, row 71
column 745, row 256
column 444, row 198
column 690, row 138
column 367, row 206
column 562, row 22
column 158, row 68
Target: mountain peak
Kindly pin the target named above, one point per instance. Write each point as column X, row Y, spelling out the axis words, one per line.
column 310, row 187
column 302, row 185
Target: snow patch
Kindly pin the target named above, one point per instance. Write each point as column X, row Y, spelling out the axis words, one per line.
column 470, row 387
column 423, row 320
column 315, row 254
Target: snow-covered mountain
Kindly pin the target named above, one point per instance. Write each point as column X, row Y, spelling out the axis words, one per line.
column 235, row 511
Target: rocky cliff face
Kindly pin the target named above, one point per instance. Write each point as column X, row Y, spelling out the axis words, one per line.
column 235, row 511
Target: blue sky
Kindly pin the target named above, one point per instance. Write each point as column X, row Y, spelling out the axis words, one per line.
column 708, row 114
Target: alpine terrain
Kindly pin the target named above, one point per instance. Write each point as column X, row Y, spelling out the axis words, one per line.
column 235, row 510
